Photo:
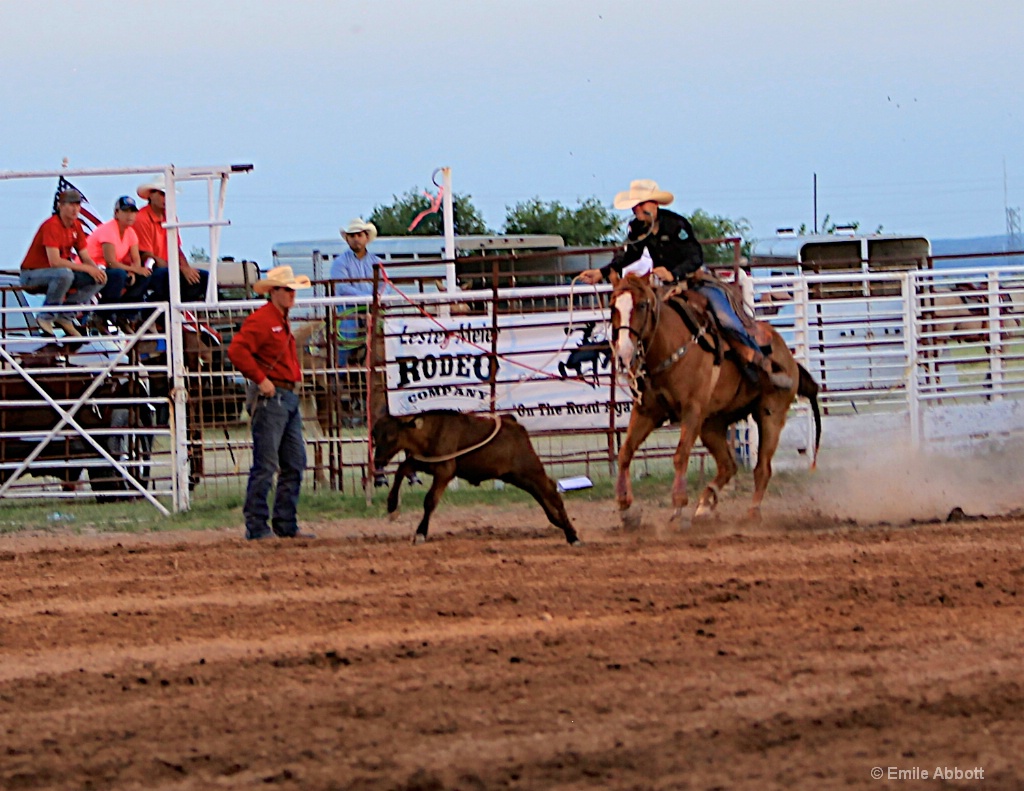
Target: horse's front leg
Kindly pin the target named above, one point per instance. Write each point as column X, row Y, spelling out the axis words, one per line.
column 641, row 424
column 689, row 425
column 714, row 433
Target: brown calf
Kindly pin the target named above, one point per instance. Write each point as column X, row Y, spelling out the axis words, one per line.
column 448, row 444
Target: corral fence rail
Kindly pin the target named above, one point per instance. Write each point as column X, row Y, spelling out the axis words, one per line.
column 937, row 353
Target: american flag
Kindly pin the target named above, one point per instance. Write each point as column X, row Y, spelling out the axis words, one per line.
column 88, row 219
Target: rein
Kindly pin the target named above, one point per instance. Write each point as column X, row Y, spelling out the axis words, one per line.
column 464, row 451
column 640, row 356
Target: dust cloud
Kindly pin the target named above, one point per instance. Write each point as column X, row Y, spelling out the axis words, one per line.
column 897, row 485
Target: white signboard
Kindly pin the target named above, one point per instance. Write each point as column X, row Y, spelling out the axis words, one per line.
column 549, row 373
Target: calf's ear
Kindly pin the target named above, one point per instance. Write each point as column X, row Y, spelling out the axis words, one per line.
column 418, row 423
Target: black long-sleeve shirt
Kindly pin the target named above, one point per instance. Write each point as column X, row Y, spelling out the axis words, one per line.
column 674, row 246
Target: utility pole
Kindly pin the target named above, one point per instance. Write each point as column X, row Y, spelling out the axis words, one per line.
column 1013, row 235
column 815, row 202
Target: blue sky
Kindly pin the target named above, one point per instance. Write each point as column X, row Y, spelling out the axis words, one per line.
column 909, row 111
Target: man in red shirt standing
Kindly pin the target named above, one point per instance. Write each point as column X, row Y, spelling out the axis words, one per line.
column 153, row 248
column 48, row 264
column 263, row 350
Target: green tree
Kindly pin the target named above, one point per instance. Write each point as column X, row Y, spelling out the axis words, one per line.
column 198, row 255
column 709, row 226
column 589, row 223
column 395, row 218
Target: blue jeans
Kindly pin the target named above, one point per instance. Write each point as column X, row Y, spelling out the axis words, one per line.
column 351, row 336
column 58, row 281
column 118, row 290
column 160, row 286
column 727, row 318
column 277, row 447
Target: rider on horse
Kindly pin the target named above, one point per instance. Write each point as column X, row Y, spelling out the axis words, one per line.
column 677, row 255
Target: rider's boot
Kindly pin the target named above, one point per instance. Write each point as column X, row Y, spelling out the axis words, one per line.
column 757, row 363
column 779, row 378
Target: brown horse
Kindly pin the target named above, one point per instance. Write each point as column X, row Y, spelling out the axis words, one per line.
column 681, row 382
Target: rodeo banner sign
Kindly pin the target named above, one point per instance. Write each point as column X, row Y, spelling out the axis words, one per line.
column 548, row 372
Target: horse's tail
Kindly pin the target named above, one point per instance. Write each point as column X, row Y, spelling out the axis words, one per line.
column 808, row 388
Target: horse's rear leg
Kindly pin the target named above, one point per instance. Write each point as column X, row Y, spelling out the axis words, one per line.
column 715, row 436
column 769, row 425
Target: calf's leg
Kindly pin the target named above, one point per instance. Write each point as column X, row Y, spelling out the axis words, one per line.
column 544, row 491
column 443, row 474
column 403, row 471
column 392, row 495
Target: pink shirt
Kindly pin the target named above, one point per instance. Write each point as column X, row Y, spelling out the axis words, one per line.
column 110, row 233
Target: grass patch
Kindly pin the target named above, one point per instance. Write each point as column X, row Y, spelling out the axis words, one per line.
column 216, row 510
column 224, row 510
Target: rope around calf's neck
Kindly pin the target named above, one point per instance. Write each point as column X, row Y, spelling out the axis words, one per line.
column 464, row 451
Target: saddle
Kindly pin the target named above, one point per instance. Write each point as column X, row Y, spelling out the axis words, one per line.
column 760, row 331
column 692, row 308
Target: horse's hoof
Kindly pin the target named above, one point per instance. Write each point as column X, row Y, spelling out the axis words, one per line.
column 631, row 518
column 680, row 519
column 703, row 513
column 393, row 515
column 419, row 538
column 753, row 516
column 576, row 543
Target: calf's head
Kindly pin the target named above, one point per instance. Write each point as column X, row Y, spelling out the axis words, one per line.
column 390, row 435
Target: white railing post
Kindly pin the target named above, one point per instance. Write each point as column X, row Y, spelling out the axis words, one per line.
column 908, row 291
column 448, row 209
column 175, row 349
column 995, row 336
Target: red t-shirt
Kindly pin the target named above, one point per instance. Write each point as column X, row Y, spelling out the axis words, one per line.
column 53, row 233
column 264, row 347
column 152, row 235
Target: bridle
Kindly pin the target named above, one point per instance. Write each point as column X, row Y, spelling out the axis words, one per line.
column 637, row 364
column 642, row 335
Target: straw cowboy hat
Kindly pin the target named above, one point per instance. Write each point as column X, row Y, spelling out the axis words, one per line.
column 359, row 224
column 281, row 277
column 156, row 185
column 641, row 191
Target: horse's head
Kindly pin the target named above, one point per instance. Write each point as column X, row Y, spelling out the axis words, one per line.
column 634, row 315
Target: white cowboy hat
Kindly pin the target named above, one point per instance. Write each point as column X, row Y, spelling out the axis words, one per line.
column 359, row 224
column 281, row 277
column 641, row 191
column 158, row 184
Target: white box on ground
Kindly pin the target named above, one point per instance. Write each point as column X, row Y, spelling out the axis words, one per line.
column 577, row 482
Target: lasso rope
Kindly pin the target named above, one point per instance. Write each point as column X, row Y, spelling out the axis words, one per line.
column 464, row 451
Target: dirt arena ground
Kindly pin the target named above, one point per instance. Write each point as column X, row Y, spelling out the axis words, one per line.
column 814, row 651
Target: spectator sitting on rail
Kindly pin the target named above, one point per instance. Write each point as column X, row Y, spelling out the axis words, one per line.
column 115, row 247
column 153, row 245
column 49, row 264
